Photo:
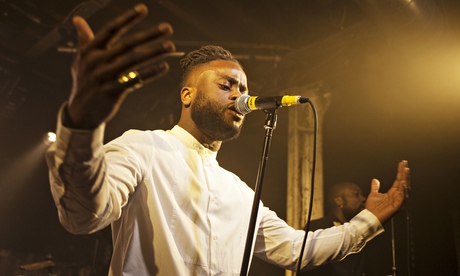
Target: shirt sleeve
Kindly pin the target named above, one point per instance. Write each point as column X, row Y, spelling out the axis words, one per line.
column 77, row 171
column 280, row 244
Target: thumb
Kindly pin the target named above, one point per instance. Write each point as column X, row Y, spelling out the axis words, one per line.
column 85, row 34
column 375, row 186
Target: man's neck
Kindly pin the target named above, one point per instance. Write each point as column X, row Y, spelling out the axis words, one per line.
column 340, row 216
column 200, row 137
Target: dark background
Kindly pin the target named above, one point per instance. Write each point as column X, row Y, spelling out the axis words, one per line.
column 391, row 67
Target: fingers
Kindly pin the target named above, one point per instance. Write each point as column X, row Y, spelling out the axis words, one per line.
column 403, row 171
column 402, row 165
column 402, row 181
column 154, row 71
column 133, row 53
column 162, row 31
column 112, row 31
column 406, row 177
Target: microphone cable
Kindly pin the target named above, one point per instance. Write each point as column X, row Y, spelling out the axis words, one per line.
column 313, row 171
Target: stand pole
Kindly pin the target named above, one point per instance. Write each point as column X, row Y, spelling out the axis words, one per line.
column 270, row 125
column 393, row 248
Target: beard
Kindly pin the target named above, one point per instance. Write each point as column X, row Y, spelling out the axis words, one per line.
column 209, row 117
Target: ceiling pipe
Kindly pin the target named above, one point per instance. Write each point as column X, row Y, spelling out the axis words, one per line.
column 50, row 40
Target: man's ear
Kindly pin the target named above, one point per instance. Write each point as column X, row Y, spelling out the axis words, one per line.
column 186, row 95
column 339, row 202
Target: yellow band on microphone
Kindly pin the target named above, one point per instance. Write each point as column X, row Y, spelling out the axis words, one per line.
column 289, row 100
column 252, row 103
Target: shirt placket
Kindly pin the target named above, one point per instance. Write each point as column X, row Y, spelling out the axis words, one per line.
column 213, row 208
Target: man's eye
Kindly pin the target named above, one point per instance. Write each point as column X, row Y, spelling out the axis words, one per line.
column 224, row 87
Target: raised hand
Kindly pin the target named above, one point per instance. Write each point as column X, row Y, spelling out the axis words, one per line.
column 384, row 206
column 107, row 66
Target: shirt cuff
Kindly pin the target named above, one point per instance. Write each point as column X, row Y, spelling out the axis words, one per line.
column 78, row 139
column 367, row 224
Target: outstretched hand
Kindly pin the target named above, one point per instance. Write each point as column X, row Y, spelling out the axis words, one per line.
column 99, row 87
column 384, row 206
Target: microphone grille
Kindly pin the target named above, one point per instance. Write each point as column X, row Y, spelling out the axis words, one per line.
column 241, row 104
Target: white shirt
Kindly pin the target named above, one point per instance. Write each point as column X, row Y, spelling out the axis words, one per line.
column 174, row 210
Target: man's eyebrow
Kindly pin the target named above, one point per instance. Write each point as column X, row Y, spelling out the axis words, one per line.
column 233, row 81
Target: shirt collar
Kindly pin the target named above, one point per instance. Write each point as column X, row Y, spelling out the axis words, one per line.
column 190, row 142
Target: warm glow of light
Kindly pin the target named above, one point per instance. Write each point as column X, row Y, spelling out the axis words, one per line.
column 51, row 137
column 413, row 6
column 17, row 176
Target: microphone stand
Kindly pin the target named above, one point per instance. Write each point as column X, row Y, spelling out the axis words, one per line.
column 270, row 125
column 393, row 248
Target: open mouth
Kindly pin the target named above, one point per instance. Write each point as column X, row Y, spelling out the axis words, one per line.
column 236, row 113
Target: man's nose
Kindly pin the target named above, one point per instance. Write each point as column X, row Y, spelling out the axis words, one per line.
column 235, row 94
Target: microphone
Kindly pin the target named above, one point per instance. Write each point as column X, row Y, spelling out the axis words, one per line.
column 245, row 103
